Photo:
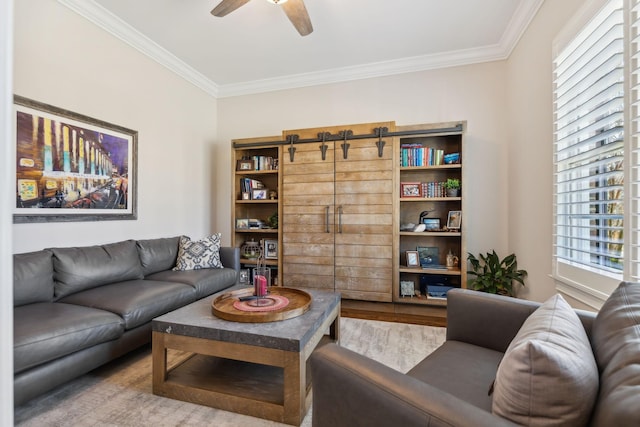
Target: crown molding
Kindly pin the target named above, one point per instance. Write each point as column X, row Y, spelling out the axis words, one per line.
column 109, row 22
column 519, row 23
column 365, row 71
column 116, row 26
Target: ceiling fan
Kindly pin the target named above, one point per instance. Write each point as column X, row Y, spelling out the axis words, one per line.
column 294, row 9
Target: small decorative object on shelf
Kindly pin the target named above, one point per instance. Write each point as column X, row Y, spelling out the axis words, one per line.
column 453, row 187
column 242, row 223
column 272, row 221
column 407, row 288
column 413, row 259
column 452, row 260
column 452, row 158
column 429, row 257
column 250, row 249
column 245, row 165
column 410, row 189
column 244, row 277
column 259, row 194
column 270, row 249
column 454, row 220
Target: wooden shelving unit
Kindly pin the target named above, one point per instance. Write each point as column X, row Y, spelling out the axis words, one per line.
column 245, row 207
column 438, row 206
column 340, row 214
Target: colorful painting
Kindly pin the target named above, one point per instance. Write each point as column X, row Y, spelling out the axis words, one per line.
column 70, row 167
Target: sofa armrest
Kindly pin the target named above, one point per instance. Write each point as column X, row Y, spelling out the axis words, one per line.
column 487, row 320
column 230, row 257
column 350, row 389
column 492, row 321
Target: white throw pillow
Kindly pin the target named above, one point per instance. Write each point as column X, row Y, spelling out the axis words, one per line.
column 548, row 375
column 194, row 255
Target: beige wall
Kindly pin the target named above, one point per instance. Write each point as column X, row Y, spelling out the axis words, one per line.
column 530, row 169
column 64, row 60
column 472, row 93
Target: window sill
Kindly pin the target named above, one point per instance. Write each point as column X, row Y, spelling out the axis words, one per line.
column 591, row 297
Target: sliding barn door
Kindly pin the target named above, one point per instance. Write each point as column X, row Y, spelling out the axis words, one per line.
column 337, row 224
column 307, row 198
column 364, row 215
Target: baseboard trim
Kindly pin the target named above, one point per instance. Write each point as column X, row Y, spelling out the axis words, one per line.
column 392, row 312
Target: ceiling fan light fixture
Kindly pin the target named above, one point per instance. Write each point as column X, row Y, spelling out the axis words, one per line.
column 277, row 1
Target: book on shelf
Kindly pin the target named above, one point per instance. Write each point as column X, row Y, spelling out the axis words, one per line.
column 261, row 163
column 418, row 155
column 433, row 189
column 247, row 185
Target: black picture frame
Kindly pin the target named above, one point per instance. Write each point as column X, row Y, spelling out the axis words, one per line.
column 270, row 249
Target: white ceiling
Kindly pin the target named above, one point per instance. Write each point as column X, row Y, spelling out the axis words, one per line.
column 256, row 48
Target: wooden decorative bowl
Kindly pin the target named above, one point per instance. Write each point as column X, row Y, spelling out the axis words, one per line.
column 299, row 303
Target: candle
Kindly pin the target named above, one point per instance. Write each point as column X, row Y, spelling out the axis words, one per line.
column 260, row 285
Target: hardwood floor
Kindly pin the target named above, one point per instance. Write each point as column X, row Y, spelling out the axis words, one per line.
column 393, row 312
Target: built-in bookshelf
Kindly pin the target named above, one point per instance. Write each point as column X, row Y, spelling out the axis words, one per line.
column 256, row 203
column 431, row 221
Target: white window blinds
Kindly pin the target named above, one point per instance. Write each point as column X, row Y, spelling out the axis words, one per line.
column 632, row 266
column 589, row 156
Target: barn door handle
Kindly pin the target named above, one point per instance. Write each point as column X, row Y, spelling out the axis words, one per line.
column 326, row 216
column 340, row 219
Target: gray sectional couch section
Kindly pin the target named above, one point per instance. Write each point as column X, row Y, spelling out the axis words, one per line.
column 78, row 308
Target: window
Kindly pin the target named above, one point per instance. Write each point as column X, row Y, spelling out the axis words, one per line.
column 595, row 153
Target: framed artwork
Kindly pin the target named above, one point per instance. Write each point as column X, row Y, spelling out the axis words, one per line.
column 454, row 220
column 244, row 165
column 429, row 256
column 410, row 189
column 270, row 249
column 71, row 167
column 259, row 194
column 243, row 277
column 407, row 288
column 431, row 224
column 242, row 223
column 413, row 260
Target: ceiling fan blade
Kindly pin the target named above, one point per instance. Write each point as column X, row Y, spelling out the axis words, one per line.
column 225, row 7
column 297, row 14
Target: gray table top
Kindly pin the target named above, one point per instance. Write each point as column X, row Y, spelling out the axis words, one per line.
column 197, row 320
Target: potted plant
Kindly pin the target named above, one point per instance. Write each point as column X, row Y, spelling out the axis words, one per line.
column 453, row 187
column 494, row 275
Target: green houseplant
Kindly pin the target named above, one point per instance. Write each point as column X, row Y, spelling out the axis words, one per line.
column 494, row 275
column 453, row 187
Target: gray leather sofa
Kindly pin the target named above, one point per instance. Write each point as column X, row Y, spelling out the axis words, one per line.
column 78, row 308
column 450, row 387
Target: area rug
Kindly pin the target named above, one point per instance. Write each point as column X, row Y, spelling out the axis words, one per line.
column 119, row 393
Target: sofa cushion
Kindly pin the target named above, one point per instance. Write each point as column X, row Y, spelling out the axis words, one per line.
column 194, row 255
column 136, row 301
column 461, row 369
column 46, row 331
column 616, row 344
column 204, row 281
column 548, row 375
column 158, row 254
column 32, row 278
column 77, row 269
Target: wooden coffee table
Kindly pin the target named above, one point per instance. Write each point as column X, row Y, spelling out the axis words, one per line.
column 257, row 369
